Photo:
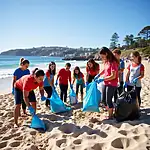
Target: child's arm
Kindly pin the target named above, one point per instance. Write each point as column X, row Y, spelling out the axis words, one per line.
column 127, row 76
column 73, row 80
column 102, row 73
column 83, row 80
column 111, row 77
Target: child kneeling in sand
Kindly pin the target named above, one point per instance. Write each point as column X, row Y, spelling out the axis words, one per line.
column 23, row 90
column 79, row 77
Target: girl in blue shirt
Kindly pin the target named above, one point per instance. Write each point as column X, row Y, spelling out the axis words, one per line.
column 49, row 81
column 18, row 73
column 79, row 77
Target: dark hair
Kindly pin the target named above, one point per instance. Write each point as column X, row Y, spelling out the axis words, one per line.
column 38, row 72
column 74, row 74
column 137, row 54
column 117, row 51
column 110, row 57
column 24, row 61
column 68, row 64
column 49, row 68
column 95, row 65
column 114, row 48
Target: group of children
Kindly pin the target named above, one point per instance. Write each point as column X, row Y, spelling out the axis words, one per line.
column 24, row 83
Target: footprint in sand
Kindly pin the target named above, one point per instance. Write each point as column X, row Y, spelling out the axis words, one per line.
column 138, row 130
column 30, row 147
column 77, row 141
column 18, row 138
column 98, row 146
column 7, row 137
column 76, row 134
column 123, row 132
column 141, row 138
column 15, row 144
column 3, row 130
column 3, row 144
column 16, row 134
column 9, row 114
column 61, row 143
column 123, row 143
column 67, row 128
column 33, row 132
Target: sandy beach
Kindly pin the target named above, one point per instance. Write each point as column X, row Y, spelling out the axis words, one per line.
column 76, row 130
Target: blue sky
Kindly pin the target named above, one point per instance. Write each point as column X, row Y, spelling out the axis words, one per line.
column 73, row 23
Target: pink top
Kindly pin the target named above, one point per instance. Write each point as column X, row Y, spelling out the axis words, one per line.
column 108, row 68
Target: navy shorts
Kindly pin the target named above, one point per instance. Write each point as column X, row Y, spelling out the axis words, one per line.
column 19, row 96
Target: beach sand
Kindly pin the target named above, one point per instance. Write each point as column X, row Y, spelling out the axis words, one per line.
column 75, row 130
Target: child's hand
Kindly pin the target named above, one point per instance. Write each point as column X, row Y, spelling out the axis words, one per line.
column 83, row 85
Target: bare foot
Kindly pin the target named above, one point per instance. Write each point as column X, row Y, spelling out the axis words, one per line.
column 16, row 125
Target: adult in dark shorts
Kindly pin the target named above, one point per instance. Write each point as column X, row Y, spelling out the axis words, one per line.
column 24, row 91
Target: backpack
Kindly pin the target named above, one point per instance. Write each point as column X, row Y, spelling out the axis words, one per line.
column 126, row 107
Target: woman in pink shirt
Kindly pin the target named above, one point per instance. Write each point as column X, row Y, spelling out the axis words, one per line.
column 110, row 78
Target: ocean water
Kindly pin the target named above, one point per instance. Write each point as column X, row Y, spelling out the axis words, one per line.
column 8, row 64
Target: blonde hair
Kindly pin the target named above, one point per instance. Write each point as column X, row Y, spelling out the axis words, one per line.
column 23, row 61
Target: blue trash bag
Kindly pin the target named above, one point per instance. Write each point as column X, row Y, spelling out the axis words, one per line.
column 99, row 95
column 57, row 104
column 72, row 97
column 37, row 123
column 87, row 87
column 92, row 98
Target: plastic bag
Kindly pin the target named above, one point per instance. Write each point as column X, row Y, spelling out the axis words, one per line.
column 37, row 123
column 92, row 98
column 57, row 104
column 126, row 107
column 72, row 97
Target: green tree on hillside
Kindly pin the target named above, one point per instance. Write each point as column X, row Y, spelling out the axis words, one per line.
column 145, row 33
column 129, row 40
column 114, row 40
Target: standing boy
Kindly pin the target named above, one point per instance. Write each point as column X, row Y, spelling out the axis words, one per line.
column 119, row 90
column 64, row 75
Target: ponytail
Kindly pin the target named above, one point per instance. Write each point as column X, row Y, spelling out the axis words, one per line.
column 23, row 61
column 33, row 72
column 37, row 72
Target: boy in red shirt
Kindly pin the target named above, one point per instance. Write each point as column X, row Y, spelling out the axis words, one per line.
column 63, row 76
